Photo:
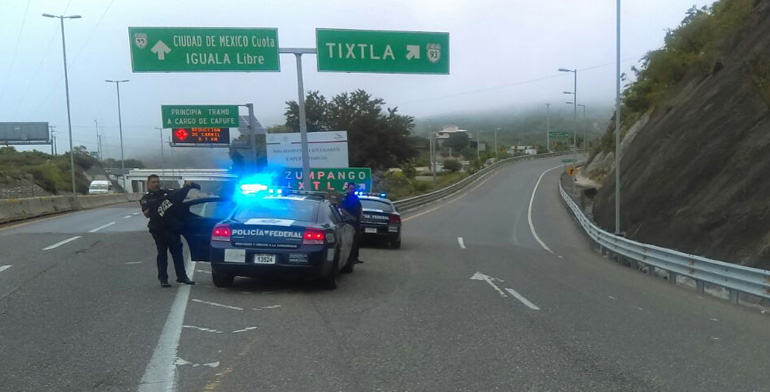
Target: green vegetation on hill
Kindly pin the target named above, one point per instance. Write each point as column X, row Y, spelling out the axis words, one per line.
column 693, row 48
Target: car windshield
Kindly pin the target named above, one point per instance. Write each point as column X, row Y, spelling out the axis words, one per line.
column 300, row 209
column 376, row 205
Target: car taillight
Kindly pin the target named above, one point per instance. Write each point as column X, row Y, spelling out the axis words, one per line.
column 221, row 233
column 313, row 237
column 395, row 219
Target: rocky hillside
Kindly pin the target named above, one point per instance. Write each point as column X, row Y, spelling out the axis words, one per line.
column 695, row 164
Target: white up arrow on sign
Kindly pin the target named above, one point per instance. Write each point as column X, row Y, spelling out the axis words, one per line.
column 160, row 49
column 412, row 52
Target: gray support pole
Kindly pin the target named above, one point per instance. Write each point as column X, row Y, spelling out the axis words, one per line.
column 548, row 127
column 120, row 127
column 69, row 116
column 252, row 133
column 303, row 125
column 617, row 125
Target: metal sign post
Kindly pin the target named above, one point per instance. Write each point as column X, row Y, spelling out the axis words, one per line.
column 298, row 52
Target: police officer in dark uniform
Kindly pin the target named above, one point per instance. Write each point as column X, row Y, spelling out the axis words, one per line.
column 162, row 207
column 351, row 206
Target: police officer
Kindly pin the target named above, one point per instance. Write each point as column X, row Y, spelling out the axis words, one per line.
column 162, row 207
column 351, row 206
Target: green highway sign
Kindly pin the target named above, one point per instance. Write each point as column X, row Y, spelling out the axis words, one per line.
column 201, row 49
column 328, row 179
column 382, row 51
column 204, row 116
column 558, row 134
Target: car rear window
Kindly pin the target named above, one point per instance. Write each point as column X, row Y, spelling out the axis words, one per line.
column 376, row 205
column 277, row 208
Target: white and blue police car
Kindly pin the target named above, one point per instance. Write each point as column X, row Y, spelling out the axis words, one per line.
column 263, row 231
column 380, row 220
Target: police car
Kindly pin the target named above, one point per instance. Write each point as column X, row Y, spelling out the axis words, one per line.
column 269, row 231
column 379, row 219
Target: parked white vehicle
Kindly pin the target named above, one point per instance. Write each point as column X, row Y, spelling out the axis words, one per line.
column 100, row 187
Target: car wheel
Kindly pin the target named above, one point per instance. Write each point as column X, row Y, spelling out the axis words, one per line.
column 395, row 243
column 329, row 282
column 221, row 279
column 349, row 265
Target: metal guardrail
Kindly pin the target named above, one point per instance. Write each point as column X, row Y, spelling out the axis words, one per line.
column 419, row 200
column 735, row 278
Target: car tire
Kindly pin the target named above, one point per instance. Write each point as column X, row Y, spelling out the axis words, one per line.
column 329, row 282
column 395, row 242
column 221, row 279
column 350, row 265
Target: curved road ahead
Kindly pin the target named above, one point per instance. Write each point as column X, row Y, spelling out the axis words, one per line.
column 472, row 302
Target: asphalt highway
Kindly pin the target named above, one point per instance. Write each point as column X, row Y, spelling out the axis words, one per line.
column 489, row 292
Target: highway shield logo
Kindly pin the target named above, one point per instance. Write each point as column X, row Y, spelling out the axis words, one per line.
column 434, row 52
column 140, row 40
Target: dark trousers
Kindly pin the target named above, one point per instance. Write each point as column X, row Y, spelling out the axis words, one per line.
column 356, row 241
column 166, row 241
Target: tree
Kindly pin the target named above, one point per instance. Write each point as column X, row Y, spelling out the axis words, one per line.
column 376, row 138
column 452, row 165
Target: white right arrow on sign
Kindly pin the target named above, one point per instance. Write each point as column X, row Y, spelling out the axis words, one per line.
column 161, row 49
column 412, row 52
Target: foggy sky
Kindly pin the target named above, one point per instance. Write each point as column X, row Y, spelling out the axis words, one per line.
column 504, row 54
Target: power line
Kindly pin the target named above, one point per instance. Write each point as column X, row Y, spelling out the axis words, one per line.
column 15, row 50
column 519, row 83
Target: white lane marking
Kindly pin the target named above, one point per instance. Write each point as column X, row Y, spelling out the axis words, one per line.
column 613, row 298
column 268, row 307
column 714, row 338
column 640, row 308
column 709, row 319
column 529, row 212
column 460, row 241
column 127, row 216
column 203, row 272
column 4, row 267
column 160, row 373
column 101, row 227
column 522, row 299
column 449, row 202
column 182, row 362
column 488, row 279
column 135, row 214
column 245, row 329
column 133, row 262
column 202, row 329
column 60, row 243
column 216, row 304
column 561, row 257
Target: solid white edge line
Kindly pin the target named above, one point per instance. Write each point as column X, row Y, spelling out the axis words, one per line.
column 160, row 373
column 101, row 227
column 60, row 243
column 4, row 267
column 460, row 241
column 522, row 299
column 529, row 212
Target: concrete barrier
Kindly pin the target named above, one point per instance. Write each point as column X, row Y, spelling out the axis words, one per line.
column 33, row 207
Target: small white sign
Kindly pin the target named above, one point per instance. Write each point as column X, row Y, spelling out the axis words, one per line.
column 326, row 149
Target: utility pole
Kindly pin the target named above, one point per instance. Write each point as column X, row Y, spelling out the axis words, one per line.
column 497, row 156
column 617, row 124
column 53, row 140
column 98, row 142
column 120, row 126
column 67, row 92
column 548, row 127
column 585, row 139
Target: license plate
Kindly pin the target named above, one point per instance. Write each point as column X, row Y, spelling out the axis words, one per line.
column 264, row 259
column 370, row 229
column 235, row 255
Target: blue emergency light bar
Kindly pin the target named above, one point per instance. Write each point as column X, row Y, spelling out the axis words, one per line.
column 380, row 195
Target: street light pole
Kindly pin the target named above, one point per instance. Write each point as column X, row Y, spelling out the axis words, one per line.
column 497, row 156
column 120, row 127
column 548, row 127
column 585, row 140
column 67, row 91
column 162, row 159
column 617, row 124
